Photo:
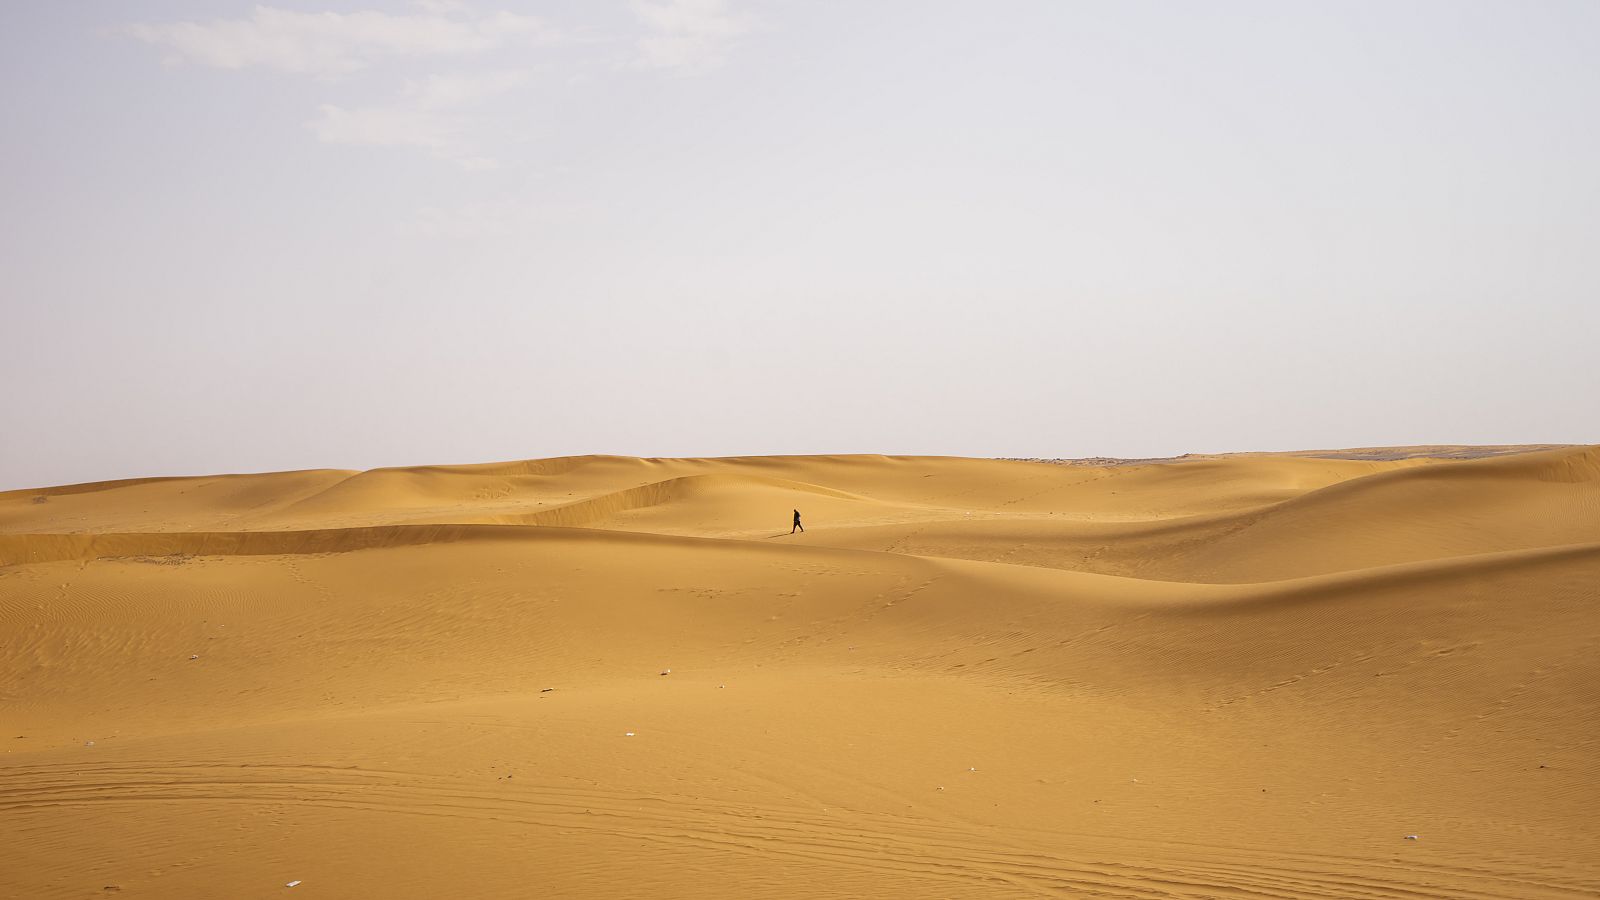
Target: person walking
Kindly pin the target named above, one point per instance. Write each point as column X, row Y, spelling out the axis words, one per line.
column 797, row 523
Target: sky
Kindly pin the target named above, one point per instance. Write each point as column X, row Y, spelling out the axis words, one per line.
column 248, row 237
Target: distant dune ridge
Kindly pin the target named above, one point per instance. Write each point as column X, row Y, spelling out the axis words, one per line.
column 1362, row 673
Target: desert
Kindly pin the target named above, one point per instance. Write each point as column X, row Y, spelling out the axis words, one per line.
column 1254, row 675
column 771, row 450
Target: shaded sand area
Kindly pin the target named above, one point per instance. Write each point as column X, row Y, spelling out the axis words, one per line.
column 1247, row 677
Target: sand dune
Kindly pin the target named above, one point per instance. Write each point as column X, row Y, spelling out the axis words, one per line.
column 1246, row 676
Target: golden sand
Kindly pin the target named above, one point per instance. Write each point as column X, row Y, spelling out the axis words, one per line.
column 1256, row 677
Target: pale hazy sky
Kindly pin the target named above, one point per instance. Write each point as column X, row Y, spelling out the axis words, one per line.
column 241, row 237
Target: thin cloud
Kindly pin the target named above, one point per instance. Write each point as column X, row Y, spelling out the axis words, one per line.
column 686, row 34
column 433, row 115
column 446, row 116
column 331, row 43
column 457, row 90
column 386, row 126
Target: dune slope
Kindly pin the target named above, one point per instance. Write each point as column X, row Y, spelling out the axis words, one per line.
column 1244, row 677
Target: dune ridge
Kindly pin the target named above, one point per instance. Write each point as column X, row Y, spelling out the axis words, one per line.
column 1227, row 676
